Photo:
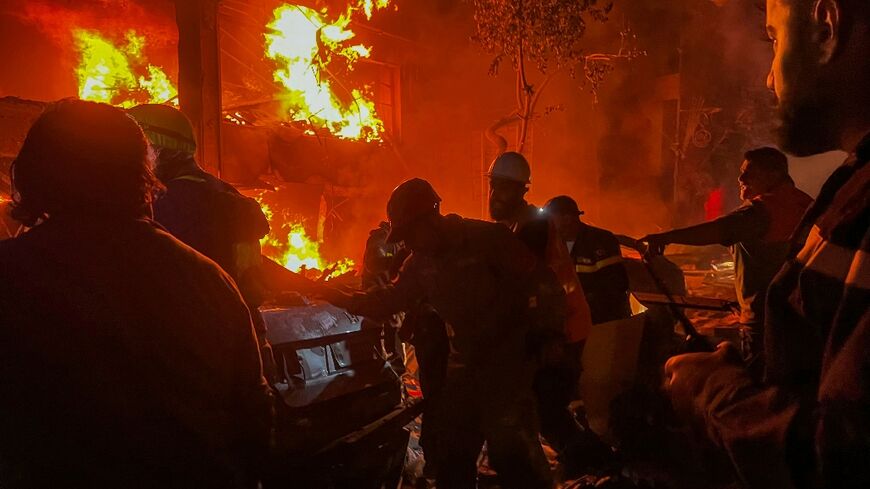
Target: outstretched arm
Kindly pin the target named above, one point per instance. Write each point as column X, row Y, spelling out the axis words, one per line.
column 381, row 302
column 745, row 223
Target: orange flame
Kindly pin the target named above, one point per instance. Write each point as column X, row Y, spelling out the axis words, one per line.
column 369, row 6
column 303, row 42
column 119, row 74
column 289, row 245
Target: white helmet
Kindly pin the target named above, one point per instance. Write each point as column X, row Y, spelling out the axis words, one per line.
column 511, row 166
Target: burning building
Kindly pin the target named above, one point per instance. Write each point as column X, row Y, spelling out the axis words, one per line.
column 318, row 108
column 290, row 102
column 287, row 98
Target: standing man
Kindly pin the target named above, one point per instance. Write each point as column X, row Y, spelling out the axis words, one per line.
column 198, row 208
column 597, row 260
column 757, row 232
column 492, row 295
column 206, row 213
column 808, row 423
column 129, row 359
column 556, row 381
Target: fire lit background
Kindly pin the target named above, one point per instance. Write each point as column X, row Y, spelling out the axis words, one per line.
column 326, row 105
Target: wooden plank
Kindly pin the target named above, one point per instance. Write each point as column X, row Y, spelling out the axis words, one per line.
column 199, row 89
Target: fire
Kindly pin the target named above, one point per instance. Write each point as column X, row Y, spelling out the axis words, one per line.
column 119, row 74
column 304, row 43
column 369, row 6
column 289, row 245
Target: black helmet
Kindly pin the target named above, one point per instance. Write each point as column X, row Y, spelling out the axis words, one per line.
column 409, row 202
column 562, row 205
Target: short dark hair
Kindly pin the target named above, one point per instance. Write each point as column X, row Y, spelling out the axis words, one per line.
column 82, row 158
column 770, row 160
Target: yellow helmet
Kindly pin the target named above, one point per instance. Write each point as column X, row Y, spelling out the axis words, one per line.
column 165, row 126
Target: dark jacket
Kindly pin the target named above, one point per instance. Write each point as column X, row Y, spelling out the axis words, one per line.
column 598, row 263
column 539, row 234
column 484, row 285
column 208, row 214
column 808, row 424
column 128, row 360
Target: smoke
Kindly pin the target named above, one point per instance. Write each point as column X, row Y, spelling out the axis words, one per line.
column 36, row 37
column 114, row 18
column 678, row 120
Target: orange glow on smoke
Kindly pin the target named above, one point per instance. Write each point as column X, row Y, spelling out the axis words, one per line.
column 288, row 244
column 304, row 42
column 119, row 74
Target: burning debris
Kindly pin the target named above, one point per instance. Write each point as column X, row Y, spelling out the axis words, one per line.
column 289, row 244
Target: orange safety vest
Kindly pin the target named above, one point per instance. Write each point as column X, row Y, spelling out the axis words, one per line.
column 579, row 317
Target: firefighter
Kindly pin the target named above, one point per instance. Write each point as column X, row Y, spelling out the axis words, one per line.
column 198, row 208
column 381, row 260
column 597, row 260
column 492, row 295
column 556, row 381
column 205, row 212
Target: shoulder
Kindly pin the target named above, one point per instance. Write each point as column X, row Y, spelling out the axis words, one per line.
column 477, row 229
column 172, row 253
column 751, row 209
column 600, row 233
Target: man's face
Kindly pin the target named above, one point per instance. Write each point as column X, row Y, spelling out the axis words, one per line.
column 752, row 181
column 566, row 226
column 505, row 198
column 809, row 121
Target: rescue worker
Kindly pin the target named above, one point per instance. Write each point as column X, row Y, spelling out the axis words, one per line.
column 381, row 260
column 758, row 233
column 421, row 327
column 381, row 263
column 808, row 423
column 597, row 260
column 492, row 295
column 198, row 208
column 206, row 213
column 556, row 383
column 129, row 359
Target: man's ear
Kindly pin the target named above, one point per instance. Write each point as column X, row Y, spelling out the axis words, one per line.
column 826, row 21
